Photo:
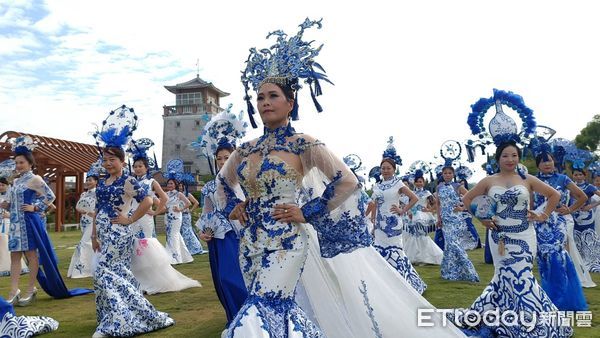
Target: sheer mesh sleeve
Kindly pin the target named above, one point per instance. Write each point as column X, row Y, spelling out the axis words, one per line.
column 45, row 195
column 334, row 207
column 228, row 188
column 211, row 218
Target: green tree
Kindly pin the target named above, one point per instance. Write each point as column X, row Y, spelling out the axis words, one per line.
column 589, row 137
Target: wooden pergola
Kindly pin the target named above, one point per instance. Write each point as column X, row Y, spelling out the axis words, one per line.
column 57, row 159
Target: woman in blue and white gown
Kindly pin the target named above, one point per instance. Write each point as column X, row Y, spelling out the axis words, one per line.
column 418, row 246
column 4, row 226
column 559, row 276
column 150, row 261
column 176, row 203
column 222, row 238
column 586, row 238
column 29, row 196
column 121, row 308
column 456, row 264
column 388, row 222
column 187, row 232
column 81, row 261
column 513, row 245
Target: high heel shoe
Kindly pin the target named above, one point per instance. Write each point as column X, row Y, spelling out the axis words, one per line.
column 29, row 299
column 15, row 298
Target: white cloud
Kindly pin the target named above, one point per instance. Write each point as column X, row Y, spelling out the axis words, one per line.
column 407, row 69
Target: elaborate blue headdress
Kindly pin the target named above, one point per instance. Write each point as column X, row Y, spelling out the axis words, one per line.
column 420, row 168
column 390, row 152
column 7, row 168
column 96, row 169
column 355, row 164
column 285, row 63
column 502, row 128
column 222, row 131
column 117, row 128
column 139, row 151
column 23, row 145
column 175, row 170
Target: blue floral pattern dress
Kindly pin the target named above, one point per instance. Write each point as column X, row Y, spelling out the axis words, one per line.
column 4, row 227
column 456, row 264
column 514, row 287
column 121, row 308
column 273, row 253
column 586, row 237
column 558, row 275
column 388, row 231
column 27, row 189
column 189, row 237
column 81, row 261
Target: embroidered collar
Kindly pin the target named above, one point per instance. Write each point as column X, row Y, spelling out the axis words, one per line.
column 540, row 175
column 278, row 139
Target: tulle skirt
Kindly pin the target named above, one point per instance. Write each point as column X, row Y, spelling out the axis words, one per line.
column 151, row 266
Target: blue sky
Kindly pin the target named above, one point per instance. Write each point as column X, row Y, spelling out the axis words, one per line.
column 402, row 68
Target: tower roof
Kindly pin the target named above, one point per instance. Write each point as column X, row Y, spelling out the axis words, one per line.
column 196, row 83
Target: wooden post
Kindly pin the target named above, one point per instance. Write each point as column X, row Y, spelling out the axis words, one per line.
column 79, row 191
column 60, row 200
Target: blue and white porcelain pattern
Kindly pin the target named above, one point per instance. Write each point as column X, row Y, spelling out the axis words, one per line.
column 4, row 227
column 456, row 265
column 272, row 253
column 189, row 237
column 28, row 188
column 513, row 286
column 388, row 231
column 558, row 273
column 121, row 308
column 25, row 326
column 586, row 238
column 81, row 261
column 175, row 245
column 418, row 246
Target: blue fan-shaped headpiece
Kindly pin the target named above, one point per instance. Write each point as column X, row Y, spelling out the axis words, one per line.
column 354, row 162
column 139, row 150
column 96, row 169
column 390, row 152
column 22, row 145
column 117, row 128
column 285, row 63
column 224, row 130
column 502, row 128
column 175, row 170
column 375, row 173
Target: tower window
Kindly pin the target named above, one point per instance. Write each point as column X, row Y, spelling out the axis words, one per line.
column 197, row 123
column 177, row 124
column 178, row 147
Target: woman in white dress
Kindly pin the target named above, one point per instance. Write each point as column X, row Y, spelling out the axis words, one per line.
column 176, row 203
column 81, row 261
column 150, row 261
column 418, row 246
column 387, row 218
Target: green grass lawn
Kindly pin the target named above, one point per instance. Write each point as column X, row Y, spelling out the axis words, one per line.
column 198, row 312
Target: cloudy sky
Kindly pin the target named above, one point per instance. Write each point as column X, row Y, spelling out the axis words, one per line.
column 408, row 69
